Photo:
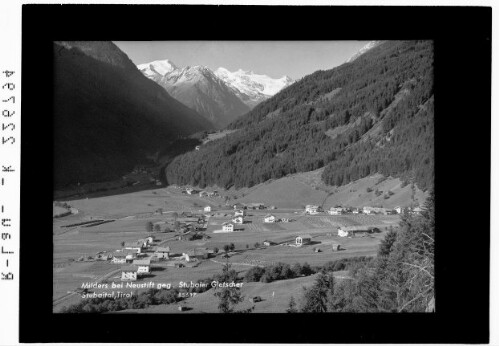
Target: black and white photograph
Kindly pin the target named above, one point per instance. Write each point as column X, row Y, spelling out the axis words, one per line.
column 250, row 174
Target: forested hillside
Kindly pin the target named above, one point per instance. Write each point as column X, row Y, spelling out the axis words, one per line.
column 372, row 115
column 107, row 115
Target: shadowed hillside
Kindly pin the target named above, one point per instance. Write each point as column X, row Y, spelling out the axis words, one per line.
column 107, row 115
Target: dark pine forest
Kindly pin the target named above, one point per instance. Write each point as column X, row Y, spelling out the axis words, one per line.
column 372, row 115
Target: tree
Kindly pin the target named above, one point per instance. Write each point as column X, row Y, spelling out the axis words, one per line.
column 157, row 228
column 317, row 297
column 306, row 269
column 226, row 248
column 215, row 250
column 292, row 306
column 296, row 268
column 149, row 227
column 122, row 244
column 257, row 245
column 228, row 297
column 247, row 246
column 232, row 246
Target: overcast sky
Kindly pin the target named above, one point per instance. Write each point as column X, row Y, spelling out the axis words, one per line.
column 273, row 58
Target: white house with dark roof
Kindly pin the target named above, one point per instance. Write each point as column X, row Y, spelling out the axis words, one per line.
column 238, row 220
column 303, row 239
column 129, row 273
column 269, row 218
column 227, row 227
column 143, row 265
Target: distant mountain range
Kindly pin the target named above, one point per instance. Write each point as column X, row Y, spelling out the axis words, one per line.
column 107, row 116
column 220, row 96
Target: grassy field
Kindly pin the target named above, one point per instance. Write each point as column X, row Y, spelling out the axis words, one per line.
column 129, row 214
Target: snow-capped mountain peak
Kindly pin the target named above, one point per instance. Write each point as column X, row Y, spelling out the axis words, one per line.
column 158, row 67
column 370, row 45
column 255, row 87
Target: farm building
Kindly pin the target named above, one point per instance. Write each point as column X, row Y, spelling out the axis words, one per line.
column 240, row 212
column 355, row 210
column 335, row 211
column 197, row 254
column 134, row 245
column 207, row 209
column 335, row 247
column 119, row 258
column 129, row 274
column 398, row 210
column 312, row 209
column 303, row 239
column 255, row 206
column 268, row 243
column 227, row 227
column 149, row 239
column 375, row 210
column 143, row 265
column 203, row 194
column 238, row 220
column 269, row 218
column 162, row 252
column 355, row 231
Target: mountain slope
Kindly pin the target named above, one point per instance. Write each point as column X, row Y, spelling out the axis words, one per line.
column 198, row 88
column 107, row 115
column 250, row 87
column 220, row 96
column 373, row 115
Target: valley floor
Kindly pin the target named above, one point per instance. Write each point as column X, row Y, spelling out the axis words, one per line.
column 127, row 215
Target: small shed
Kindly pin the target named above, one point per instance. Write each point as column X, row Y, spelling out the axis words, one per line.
column 303, row 239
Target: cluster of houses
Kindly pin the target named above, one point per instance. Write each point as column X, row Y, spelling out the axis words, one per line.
column 339, row 210
column 203, row 193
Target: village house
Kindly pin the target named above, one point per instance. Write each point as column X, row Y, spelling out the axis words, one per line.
column 227, row 227
column 398, row 210
column 268, row 243
column 203, row 194
column 129, row 273
column 134, row 245
column 335, row 211
column 143, row 265
column 240, row 212
column 335, row 247
column 312, row 209
column 269, row 218
column 149, row 239
column 162, row 252
column 239, row 220
column 255, row 206
column 303, row 239
column 119, row 258
column 355, row 231
column 207, row 209
column 355, row 210
column 198, row 147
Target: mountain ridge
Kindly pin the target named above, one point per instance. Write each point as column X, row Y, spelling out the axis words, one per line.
column 220, row 95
